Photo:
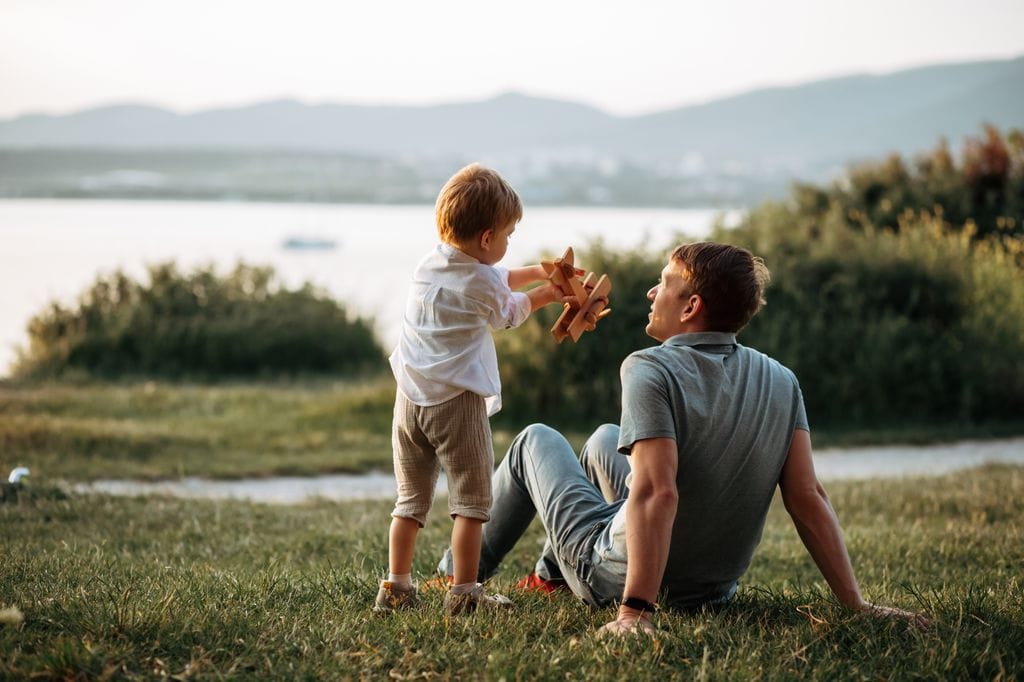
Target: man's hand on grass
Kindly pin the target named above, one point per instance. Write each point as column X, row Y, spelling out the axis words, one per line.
column 916, row 619
column 629, row 622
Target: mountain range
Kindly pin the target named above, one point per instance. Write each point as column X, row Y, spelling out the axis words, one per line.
column 834, row 119
column 806, row 131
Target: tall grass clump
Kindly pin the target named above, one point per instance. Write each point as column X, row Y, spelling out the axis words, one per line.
column 197, row 325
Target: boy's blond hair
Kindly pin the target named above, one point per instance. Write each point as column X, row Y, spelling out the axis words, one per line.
column 474, row 200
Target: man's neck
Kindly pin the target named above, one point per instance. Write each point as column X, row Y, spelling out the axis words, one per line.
column 694, row 326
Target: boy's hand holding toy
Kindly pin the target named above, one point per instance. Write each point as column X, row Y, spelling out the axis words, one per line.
column 586, row 299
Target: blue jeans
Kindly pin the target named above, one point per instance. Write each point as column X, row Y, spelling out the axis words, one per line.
column 577, row 499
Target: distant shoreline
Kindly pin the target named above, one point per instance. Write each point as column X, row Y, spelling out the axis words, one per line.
column 288, row 200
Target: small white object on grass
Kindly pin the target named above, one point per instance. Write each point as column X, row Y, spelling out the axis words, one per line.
column 17, row 474
column 11, row 615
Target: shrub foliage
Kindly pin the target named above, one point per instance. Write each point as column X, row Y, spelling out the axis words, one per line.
column 883, row 327
column 897, row 297
column 982, row 190
column 197, row 324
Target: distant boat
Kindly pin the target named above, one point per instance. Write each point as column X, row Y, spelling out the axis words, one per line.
column 320, row 243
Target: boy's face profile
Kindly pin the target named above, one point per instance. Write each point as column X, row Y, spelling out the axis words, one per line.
column 490, row 246
column 499, row 242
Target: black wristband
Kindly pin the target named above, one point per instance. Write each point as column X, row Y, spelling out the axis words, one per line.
column 639, row 604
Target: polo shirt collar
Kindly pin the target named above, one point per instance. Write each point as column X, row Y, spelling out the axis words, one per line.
column 703, row 339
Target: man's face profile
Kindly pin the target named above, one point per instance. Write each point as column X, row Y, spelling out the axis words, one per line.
column 667, row 302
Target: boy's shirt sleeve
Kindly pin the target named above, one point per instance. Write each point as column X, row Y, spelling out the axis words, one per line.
column 508, row 308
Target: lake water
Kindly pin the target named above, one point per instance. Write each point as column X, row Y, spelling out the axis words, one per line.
column 830, row 465
column 53, row 249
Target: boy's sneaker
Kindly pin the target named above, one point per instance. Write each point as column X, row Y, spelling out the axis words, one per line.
column 391, row 598
column 535, row 582
column 459, row 604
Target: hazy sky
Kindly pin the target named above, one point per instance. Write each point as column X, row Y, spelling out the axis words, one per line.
column 631, row 57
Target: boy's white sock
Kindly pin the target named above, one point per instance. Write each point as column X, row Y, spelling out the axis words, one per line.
column 402, row 581
column 464, row 588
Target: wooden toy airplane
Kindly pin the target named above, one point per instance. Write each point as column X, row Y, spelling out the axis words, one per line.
column 590, row 298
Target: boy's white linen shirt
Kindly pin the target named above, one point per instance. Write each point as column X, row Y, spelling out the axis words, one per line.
column 446, row 347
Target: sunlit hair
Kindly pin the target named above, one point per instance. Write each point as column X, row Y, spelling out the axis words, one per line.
column 474, row 200
column 730, row 280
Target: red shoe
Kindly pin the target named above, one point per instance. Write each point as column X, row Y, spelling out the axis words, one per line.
column 439, row 583
column 535, row 582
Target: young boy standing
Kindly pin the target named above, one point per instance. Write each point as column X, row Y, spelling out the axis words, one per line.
column 446, row 368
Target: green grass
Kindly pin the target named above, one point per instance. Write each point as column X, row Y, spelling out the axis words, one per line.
column 156, row 430
column 152, row 430
column 149, row 588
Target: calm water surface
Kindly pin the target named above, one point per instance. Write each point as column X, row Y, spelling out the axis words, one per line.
column 53, row 249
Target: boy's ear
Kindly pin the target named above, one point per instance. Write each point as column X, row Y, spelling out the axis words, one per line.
column 485, row 239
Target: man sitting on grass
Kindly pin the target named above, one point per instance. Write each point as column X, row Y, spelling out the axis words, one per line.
column 711, row 427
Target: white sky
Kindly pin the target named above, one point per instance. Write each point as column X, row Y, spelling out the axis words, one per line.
column 58, row 56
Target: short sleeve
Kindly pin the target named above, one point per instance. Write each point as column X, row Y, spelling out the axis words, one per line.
column 647, row 410
column 799, row 409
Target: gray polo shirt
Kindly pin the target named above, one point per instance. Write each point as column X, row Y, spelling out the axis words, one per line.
column 732, row 411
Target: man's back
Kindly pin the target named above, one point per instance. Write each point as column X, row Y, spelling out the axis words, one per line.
column 732, row 411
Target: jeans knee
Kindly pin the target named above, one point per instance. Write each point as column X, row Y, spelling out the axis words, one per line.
column 605, row 437
column 531, row 439
column 538, row 432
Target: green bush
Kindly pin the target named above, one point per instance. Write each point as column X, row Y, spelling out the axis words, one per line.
column 984, row 187
column 197, row 324
column 897, row 297
column 920, row 324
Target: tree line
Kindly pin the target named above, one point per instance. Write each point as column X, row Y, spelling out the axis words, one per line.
column 897, row 296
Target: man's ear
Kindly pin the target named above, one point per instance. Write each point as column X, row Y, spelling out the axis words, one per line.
column 694, row 307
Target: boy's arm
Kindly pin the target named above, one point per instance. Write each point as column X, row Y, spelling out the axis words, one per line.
column 539, row 296
column 520, row 277
column 512, row 308
column 544, row 295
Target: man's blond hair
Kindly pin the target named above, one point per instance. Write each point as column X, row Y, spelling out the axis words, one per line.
column 474, row 200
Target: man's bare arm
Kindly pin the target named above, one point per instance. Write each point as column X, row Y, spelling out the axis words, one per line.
column 816, row 522
column 650, row 513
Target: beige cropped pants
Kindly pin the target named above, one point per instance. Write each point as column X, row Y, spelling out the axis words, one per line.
column 454, row 436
